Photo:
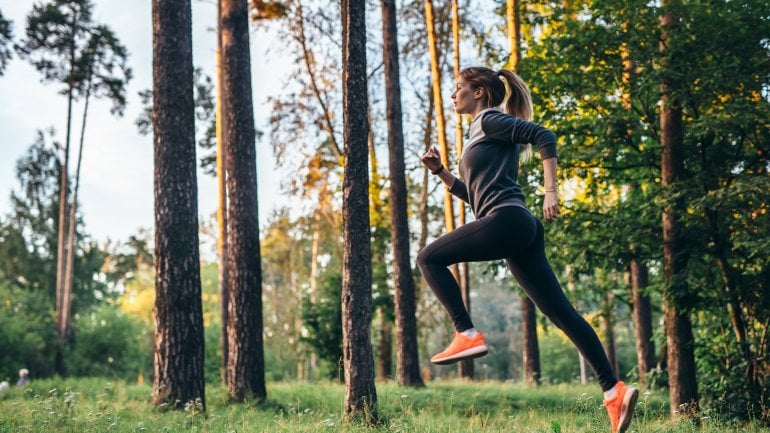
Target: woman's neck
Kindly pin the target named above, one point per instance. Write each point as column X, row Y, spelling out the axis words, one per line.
column 476, row 111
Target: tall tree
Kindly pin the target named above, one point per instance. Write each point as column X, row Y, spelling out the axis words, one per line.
column 514, row 32
column 435, row 67
column 104, row 63
column 56, row 33
column 178, row 366
column 465, row 368
column 246, row 369
column 360, row 393
column 642, row 318
column 683, row 388
column 530, row 348
column 382, row 301
column 407, row 354
column 224, row 293
column 637, row 268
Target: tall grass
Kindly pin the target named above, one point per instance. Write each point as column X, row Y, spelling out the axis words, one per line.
column 98, row 405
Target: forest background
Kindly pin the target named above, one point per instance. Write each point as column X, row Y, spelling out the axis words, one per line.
column 662, row 247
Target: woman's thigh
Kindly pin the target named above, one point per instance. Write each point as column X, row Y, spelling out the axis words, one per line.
column 507, row 232
column 534, row 274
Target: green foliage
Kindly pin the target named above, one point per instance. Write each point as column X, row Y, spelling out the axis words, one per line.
column 108, row 343
column 104, row 64
column 595, row 70
column 56, row 34
column 212, row 359
column 27, row 333
column 28, row 235
column 6, row 40
column 323, row 321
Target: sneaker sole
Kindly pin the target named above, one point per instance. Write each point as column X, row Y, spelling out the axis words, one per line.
column 627, row 409
column 473, row 352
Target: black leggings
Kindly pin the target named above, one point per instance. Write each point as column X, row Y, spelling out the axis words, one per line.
column 513, row 234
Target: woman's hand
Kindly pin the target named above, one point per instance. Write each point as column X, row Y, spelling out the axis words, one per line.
column 551, row 205
column 432, row 159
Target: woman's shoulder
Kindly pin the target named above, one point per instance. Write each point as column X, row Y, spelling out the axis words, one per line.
column 494, row 119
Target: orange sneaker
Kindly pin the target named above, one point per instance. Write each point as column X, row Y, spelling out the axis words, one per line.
column 461, row 348
column 621, row 407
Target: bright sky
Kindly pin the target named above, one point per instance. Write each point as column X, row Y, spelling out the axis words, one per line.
column 116, row 189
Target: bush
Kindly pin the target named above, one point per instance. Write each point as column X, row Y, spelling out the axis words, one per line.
column 108, row 343
column 27, row 333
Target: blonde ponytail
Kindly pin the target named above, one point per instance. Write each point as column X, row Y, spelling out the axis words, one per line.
column 519, row 104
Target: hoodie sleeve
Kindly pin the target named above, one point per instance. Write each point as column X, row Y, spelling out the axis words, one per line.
column 504, row 127
column 459, row 189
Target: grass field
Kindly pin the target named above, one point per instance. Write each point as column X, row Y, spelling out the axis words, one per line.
column 98, row 405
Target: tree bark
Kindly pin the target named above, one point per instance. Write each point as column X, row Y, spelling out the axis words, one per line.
column 683, row 391
column 61, row 264
column 449, row 217
column 246, row 368
column 464, row 368
column 62, row 321
column 178, row 358
column 584, row 368
column 385, row 350
column 642, row 318
column 360, row 393
column 427, row 139
column 531, row 350
column 222, row 204
column 609, row 330
column 69, row 266
column 407, row 354
column 514, row 32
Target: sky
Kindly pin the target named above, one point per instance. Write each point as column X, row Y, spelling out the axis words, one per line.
column 116, row 187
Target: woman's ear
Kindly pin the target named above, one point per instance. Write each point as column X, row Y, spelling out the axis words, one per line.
column 478, row 93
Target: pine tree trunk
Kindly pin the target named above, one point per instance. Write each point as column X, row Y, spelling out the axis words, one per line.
column 407, row 355
column 246, row 369
column 531, row 350
column 69, row 266
column 449, row 217
column 222, row 204
column 584, row 370
column 514, row 32
column 360, row 393
column 465, row 368
column 642, row 317
column 61, row 321
column 178, row 361
column 683, row 391
column 427, row 139
column 609, row 330
column 385, row 349
column 314, row 246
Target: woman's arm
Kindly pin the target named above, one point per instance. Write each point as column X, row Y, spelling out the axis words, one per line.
column 432, row 160
column 551, row 200
column 504, row 127
column 454, row 185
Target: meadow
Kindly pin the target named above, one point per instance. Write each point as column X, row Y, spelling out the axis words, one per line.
column 99, row 405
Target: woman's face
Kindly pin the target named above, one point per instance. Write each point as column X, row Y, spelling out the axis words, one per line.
column 464, row 97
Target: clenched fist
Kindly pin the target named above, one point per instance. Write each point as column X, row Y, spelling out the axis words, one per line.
column 432, row 159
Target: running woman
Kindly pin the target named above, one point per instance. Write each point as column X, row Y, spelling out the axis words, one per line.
column 504, row 228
